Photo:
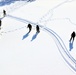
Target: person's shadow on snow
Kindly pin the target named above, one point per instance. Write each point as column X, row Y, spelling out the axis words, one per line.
column 34, row 36
column 70, row 46
column 25, row 36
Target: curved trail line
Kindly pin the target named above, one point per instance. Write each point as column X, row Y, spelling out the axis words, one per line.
column 58, row 41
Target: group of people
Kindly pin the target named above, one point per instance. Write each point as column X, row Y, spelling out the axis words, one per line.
column 4, row 14
column 37, row 28
column 29, row 25
column 30, row 28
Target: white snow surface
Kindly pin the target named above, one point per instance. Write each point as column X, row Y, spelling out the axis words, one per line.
column 40, row 56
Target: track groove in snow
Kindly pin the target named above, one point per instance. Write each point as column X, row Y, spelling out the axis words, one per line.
column 58, row 41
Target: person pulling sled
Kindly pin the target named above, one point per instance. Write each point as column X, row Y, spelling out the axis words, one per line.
column 37, row 29
column 72, row 36
column 0, row 24
column 4, row 13
column 30, row 27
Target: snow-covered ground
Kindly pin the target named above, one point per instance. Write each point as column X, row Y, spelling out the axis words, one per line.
column 36, row 54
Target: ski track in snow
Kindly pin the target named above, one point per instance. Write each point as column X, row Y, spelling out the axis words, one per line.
column 58, row 41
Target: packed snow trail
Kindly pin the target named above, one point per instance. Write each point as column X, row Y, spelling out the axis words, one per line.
column 58, row 41
column 62, row 49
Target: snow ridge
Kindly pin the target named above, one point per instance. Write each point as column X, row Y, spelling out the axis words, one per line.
column 8, row 2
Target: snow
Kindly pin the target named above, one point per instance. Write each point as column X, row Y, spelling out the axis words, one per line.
column 27, row 54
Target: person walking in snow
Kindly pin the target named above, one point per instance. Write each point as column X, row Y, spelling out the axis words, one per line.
column 37, row 28
column 72, row 36
column 4, row 13
column 30, row 27
column 0, row 24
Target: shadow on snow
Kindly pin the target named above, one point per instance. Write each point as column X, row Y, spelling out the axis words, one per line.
column 25, row 36
column 34, row 36
column 70, row 46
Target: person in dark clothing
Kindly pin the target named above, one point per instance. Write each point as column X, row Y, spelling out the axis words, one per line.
column 37, row 28
column 0, row 24
column 30, row 27
column 72, row 36
column 4, row 13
